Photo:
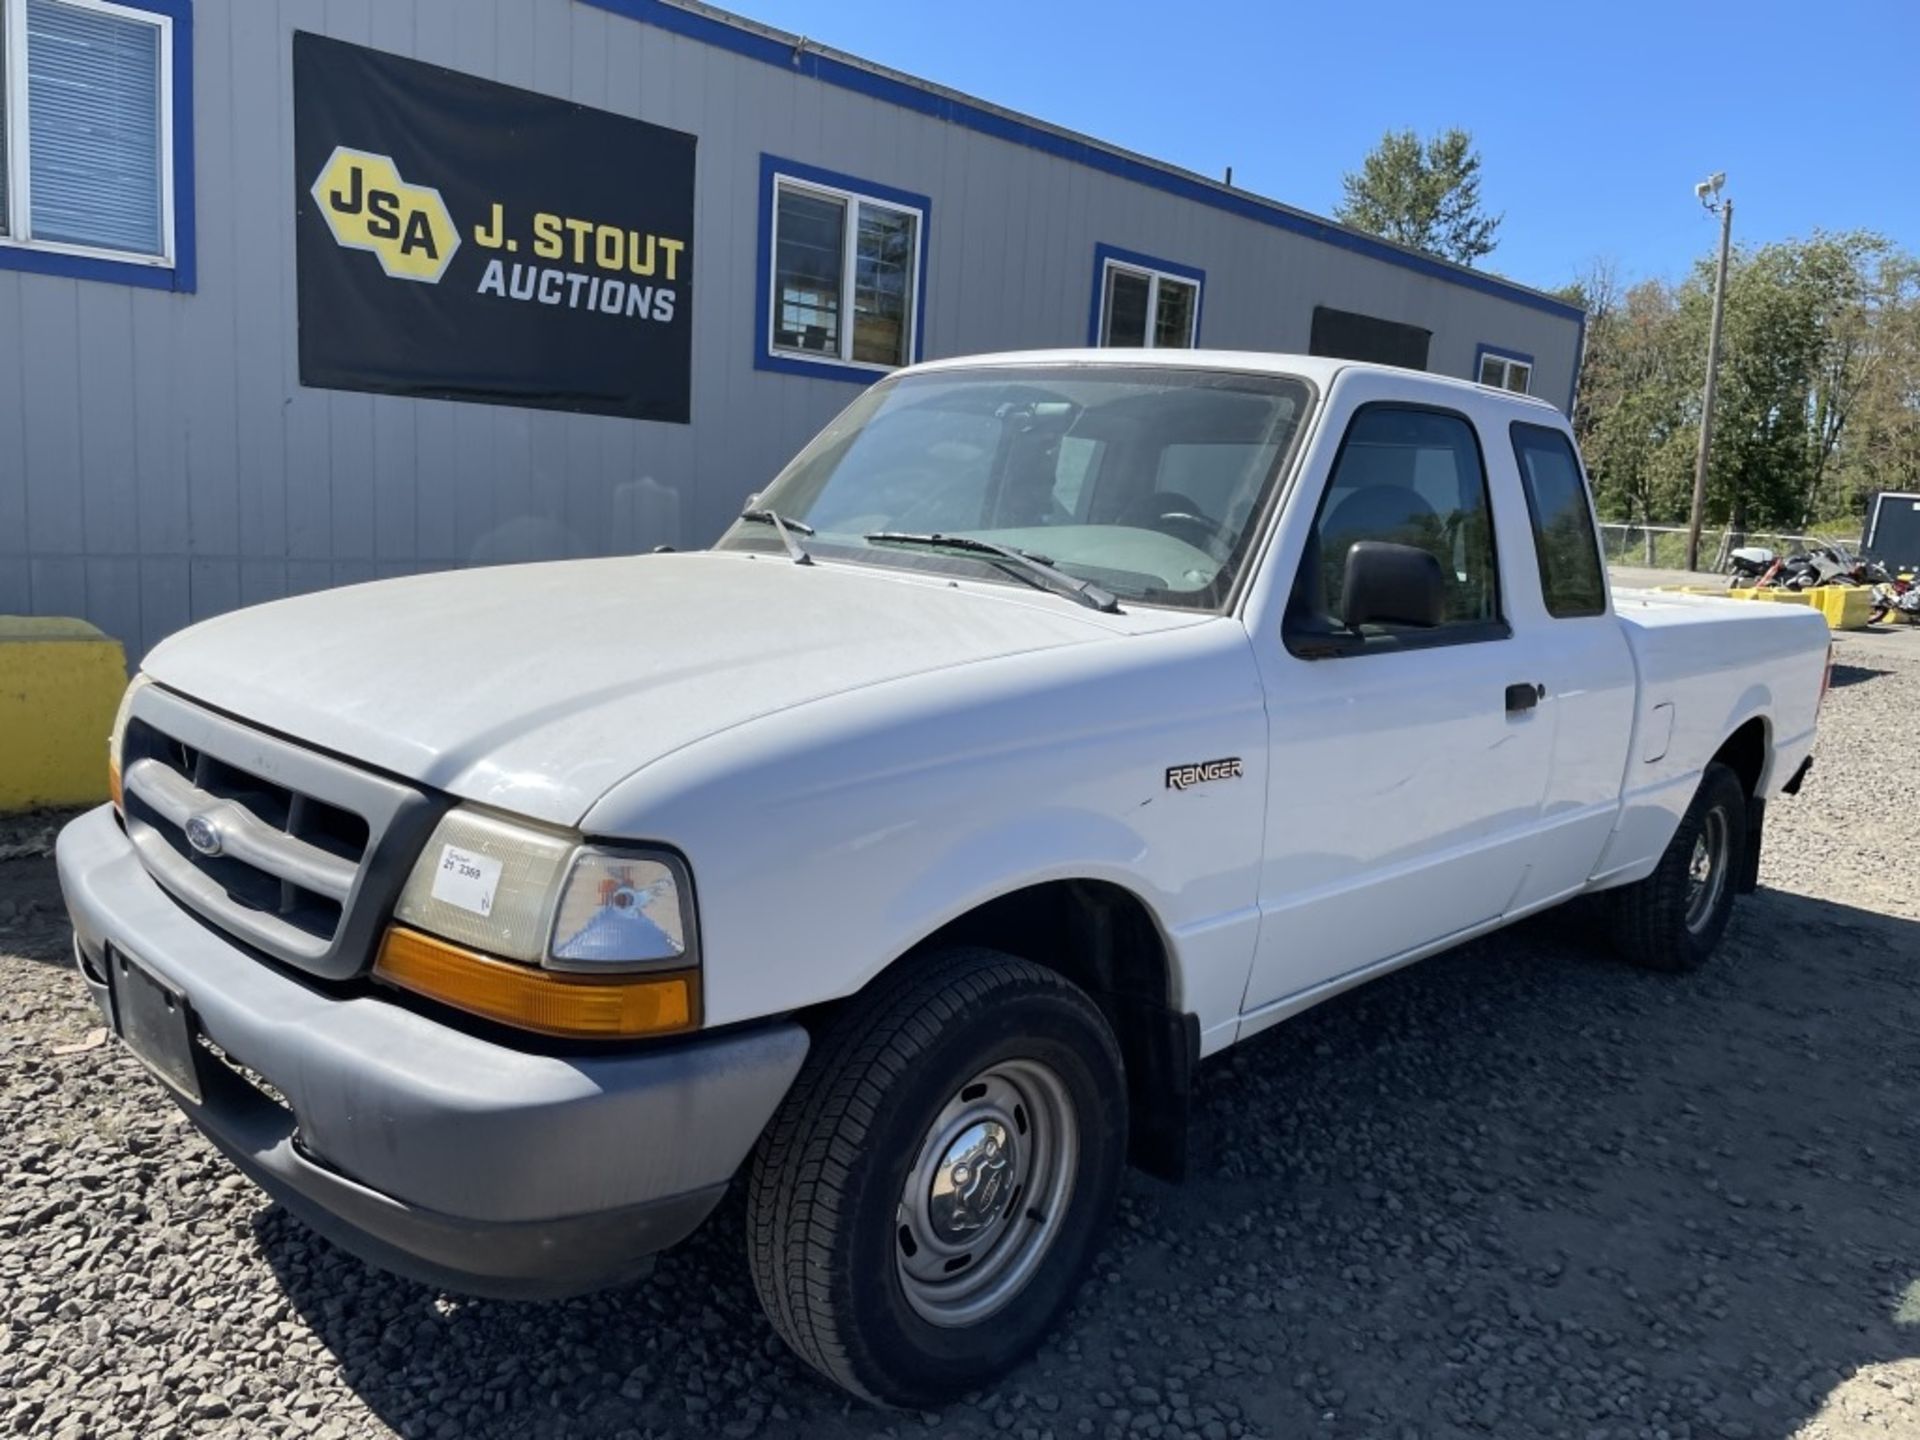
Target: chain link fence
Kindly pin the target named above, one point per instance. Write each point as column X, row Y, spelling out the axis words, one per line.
column 1664, row 547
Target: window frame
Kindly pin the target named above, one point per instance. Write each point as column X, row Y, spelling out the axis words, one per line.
column 173, row 267
column 776, row 172
column 1111, row 257
column 1316, row 647
column 1533, row 520
column 1508, row 360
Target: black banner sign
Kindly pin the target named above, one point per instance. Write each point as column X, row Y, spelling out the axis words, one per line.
column 464, row 240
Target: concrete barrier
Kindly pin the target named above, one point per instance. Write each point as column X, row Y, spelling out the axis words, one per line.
column 1846, row 607
column 60, row 682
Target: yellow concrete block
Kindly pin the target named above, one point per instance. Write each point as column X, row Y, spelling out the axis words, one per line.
column 60, row 682
column 1845, row 606
column 1773, row 597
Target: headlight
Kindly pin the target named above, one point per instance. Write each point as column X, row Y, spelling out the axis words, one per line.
column 117, row 737
column 604, row 939
column 623, row 910
column 489, row 883
column 543, row 897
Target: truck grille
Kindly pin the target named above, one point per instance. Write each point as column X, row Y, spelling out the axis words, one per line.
column 286, row 849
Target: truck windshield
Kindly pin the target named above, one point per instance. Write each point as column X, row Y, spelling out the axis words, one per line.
column 1148, row 482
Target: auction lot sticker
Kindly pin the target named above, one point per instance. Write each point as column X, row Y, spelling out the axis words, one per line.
column 466, row 878
column 464, row 240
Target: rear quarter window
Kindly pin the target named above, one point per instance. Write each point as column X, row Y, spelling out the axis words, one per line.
column 1563, row 540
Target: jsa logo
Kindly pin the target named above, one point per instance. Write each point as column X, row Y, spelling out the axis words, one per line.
column 369, row 207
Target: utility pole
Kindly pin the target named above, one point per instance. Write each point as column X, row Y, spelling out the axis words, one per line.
column 1708, row 191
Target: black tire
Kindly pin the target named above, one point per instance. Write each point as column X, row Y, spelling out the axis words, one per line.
column 1655, row 921
column 825, row 1201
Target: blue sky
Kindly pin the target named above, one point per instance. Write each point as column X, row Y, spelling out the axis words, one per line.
column 1594, row 120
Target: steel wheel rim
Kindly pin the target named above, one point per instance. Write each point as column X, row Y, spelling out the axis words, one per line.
column 987, row 1193
column 1707, row 870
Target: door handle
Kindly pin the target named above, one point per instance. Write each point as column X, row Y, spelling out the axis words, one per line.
column 1523, row 697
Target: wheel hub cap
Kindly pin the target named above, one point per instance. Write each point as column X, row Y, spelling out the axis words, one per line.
column 986, row 1196
column 1702, row 867
column 1707, row 870
column 973, row 1181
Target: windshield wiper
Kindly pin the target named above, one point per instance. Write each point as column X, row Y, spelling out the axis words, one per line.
column 1036, row 570
column 786, row 528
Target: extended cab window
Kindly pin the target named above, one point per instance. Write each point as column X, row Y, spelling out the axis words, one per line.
column 1563, row 538
column 1408, row 477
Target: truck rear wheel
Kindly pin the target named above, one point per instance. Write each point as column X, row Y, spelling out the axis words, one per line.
column 1673, row 919
column 927, row 1199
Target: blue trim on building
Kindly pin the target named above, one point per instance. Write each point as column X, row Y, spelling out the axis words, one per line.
column 87, row 267
column 1579, row 363
column 181, row 275
column 186, row 274
column 1102, row 253
column 764, row 355
column 798, row 60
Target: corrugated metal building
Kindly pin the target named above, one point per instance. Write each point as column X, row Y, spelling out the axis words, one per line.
column 161, row 459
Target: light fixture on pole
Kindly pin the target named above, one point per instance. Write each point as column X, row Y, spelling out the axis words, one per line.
column 1708, row 194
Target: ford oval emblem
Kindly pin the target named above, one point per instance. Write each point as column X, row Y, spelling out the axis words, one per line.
column 203, row 835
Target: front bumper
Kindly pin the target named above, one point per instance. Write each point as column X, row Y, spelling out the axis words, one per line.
column 419, row 1147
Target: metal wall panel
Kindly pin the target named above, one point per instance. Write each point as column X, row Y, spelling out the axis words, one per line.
column 160, row 462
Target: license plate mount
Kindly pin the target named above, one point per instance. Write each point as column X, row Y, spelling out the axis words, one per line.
column 153, row 1018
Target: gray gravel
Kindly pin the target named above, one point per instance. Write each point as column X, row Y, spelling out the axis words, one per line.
column 1519, row 1190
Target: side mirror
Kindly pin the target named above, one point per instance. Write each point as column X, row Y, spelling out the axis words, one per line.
column 1392, row 584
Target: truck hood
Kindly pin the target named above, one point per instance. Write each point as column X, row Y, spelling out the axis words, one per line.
column 535, row 688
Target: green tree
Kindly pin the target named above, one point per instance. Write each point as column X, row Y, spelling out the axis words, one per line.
column 1819, row 396
column 1426, row 195
column 1633, row 419
column 1865, row 432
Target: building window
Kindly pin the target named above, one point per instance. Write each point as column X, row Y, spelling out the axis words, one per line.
column 1505, row 370
column 88, row 115
column 843, row 267
column 1142, row 302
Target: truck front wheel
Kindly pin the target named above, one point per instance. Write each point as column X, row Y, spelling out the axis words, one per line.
column 1673, row 919
column 931, row 1193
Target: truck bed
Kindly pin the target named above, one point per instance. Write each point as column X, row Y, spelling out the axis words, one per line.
column 1706, row 666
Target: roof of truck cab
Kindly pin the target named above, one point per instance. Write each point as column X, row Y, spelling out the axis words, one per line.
column 1316, row 368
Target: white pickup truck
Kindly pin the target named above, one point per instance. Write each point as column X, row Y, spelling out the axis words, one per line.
column 1052, row 722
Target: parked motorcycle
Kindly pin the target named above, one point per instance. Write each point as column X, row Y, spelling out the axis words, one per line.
column 1758, row 568
column 1893, row 595
column 1755, row 567
column 1746, row 565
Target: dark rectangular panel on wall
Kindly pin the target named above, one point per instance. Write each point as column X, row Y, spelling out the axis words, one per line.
column 1893, row 530
column 465, row 240
column 1347, row 335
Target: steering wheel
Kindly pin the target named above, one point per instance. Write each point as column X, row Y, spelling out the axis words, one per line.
column 1180, row 516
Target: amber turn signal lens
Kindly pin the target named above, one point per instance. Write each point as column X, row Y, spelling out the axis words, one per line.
column 597, row 1008
column 113, row 787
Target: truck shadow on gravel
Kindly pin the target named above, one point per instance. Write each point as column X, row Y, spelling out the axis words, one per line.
column 1844, row 675
column 1517, row 1190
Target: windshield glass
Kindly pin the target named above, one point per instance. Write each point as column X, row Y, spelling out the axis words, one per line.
column 1149, row 482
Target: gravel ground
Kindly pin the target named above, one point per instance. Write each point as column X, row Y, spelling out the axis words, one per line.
column 1519, row 1190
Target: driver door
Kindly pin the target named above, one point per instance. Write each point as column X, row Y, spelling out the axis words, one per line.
column 1403, row 787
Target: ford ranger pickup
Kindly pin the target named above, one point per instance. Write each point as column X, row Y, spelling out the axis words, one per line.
column 1052, row 722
